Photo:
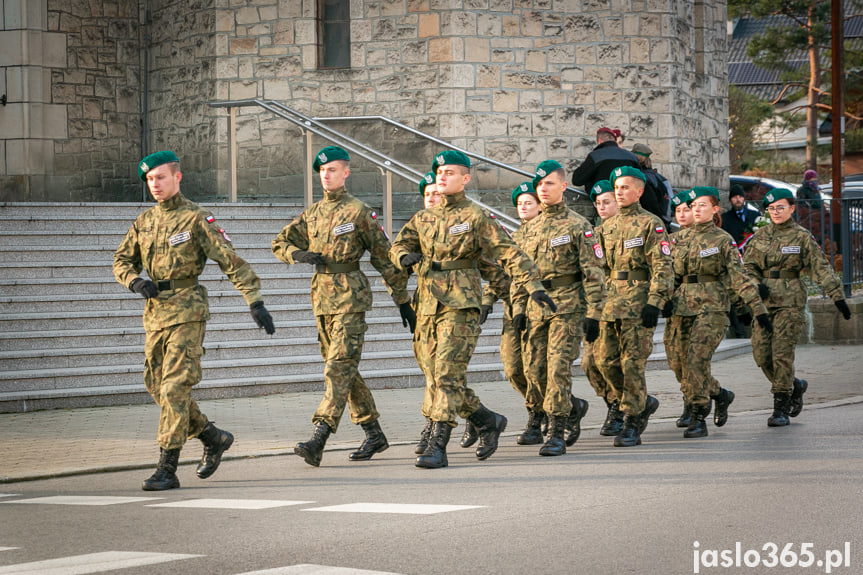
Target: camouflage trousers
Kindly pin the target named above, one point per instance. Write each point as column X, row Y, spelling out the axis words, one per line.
column 696, row 338
column 551, row 345
column 774, row 353
column 172, row 366
column 445, row 342
column 621, row 351
column 594, row 376
column 510, row 356
column 675, row 352
column 341, row 338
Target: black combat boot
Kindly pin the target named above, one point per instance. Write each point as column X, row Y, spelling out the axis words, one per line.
column 216, row 441
column 490, row 425
column 651, row 404
column 781, row 405
column 470, row 435
column 312, row 450
column 532, row 434
column 165, row 476
column 424, row 437
column 375, row 442
column 555, row 445
column 435, row 454
column 613, row 420
column 572, row 427
column 697, row 425
column 800, row 387
column 685, row 417
column 631, row 433
column 722, row 400
column 544, row 426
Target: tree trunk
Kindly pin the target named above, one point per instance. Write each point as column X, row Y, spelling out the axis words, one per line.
column 812, row 99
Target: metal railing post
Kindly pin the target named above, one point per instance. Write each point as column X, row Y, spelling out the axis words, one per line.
column 387, row 204
column 232, row 151
column 307, row 171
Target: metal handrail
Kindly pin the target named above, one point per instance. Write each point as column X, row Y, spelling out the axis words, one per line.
column 416, row 132
column 386, row 164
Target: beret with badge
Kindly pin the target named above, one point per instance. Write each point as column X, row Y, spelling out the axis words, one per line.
column 329, row 154
column 427, row 180
column 699, row 191
column 624, row 171
column 544, row 169
column 522, row 188
column 450, row 158
column 599, row 188
column 155, row 160
column 777, row 194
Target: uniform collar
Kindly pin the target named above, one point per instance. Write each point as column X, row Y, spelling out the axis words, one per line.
column 452, row 199
column 172, row 203
column 631, row 209
column 555, row 209
column 704, row 227
column 335, row 195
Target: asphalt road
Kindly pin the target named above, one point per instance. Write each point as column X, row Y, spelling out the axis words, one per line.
column 596, row 510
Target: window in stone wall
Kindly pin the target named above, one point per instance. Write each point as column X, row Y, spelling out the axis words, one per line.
column 334, row 34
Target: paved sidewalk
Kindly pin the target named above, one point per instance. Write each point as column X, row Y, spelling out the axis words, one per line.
column 88, row 440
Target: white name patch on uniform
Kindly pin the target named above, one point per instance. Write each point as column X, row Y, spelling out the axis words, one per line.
column 343, row 229
column 459, row 229
column 790, row 249
column 708, row 252
column 180, row 238
column 633, row 243
column 560, row 240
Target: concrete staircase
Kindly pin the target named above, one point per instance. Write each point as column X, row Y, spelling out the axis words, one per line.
column 70, row 336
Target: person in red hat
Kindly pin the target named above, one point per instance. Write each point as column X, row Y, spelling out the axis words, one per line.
column 597, row 166
column 809, row 206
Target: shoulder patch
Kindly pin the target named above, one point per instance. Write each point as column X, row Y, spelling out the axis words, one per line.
column 588, row 234
column 374, row 215
column 211, row 219
column 659, row 229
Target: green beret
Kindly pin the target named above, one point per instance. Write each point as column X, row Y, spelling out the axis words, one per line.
column 154, row 160
column 544, row 169
column 599, row 188
column 450, row 157
column 329, row 154
column 427, row 180
column 626, row 171
column 699, row 191
column 679, row 198
column 777, row 194
column 522, row 188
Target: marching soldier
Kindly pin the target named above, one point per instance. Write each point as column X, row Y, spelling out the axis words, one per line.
column 333, row 234
column 172, row 242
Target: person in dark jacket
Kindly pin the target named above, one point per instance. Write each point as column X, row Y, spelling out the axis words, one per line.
column 606, row 156
column 739, row 221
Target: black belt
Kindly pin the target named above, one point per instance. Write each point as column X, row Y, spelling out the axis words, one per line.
column 639, row 275
column 562, row 281
column 437, row 266
column 168, row 285
column 699, row 279
column 782, row 274
column 337, row 268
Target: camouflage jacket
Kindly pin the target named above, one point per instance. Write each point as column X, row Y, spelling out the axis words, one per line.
column 457, row 229
column 705, row 250
column 634, row 240
column 562, row 243
column 341, row 229
column 172, row 240
column 788, row 247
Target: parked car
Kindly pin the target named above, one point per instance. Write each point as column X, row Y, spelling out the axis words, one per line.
column 754, row 188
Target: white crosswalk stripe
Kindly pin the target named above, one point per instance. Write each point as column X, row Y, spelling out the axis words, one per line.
column 82, row 500
column 308, row 569
column 231, row 503
column 8, row 494
column 92, row 563
column 406, row 508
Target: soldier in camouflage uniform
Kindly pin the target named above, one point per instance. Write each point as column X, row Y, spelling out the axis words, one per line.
column 671, row 339
column 333, row 234
column 775, row 256
column 640, row 282
column 570, row 261
column 172, row 242
column 443, row 245
column 602, row 195
column 706, row 264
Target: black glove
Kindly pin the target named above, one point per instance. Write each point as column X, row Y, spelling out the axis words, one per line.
column 519, row 322
column 305, row 257
column 763, row 291
column 591, row 329
column 745, row 318
column 408, row 260
column 765, row 323
column 409, row 317
column 842, row 306
column 262, row 317
column 540, row 297
column 146, row 288
column 649, row 316
column 668, row 309
column 483, row 313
